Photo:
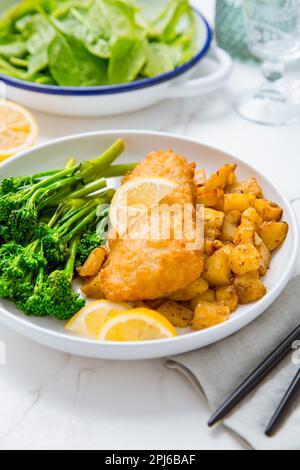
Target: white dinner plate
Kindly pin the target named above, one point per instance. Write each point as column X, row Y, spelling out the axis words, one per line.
column 52, row 155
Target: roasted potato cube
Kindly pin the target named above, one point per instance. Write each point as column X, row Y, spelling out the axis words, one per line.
column 244, row 234
column 213, row 198
column 230, row 224
column 93, row 264
column 228, row 296
column 210, row 246
column 200, row 177
column 244, row 259
column 209, row 314
column 208, row 296
column 250, row 216
column 265, row 255
column 195, row 288
column 273, row 233
column 268, row 210
column 222, row 177
column 249, row 287
column 213, row 221
column 249, row 186
column 217, row 270
column 178, row 315
column 238, row 202
column 92, row 288
column 265, row 259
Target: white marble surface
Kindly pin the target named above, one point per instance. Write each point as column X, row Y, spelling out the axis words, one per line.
column 50, row 400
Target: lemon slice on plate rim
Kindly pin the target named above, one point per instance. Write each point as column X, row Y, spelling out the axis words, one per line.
column 137, row 324
column 88, row 321
column 18, row 129
column 135, row 198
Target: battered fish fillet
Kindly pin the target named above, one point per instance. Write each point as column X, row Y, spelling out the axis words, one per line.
column 149, row 269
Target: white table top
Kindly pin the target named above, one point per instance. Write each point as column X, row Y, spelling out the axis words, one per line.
column 56, row 401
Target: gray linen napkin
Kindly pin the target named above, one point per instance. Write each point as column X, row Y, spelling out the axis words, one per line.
column 218, row 369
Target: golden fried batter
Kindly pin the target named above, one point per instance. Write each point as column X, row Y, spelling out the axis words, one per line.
column 150, row 269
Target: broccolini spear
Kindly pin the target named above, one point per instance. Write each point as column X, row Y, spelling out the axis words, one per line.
column 19, row 211
column 60, row 300
column 53, row 295
column 93, row 237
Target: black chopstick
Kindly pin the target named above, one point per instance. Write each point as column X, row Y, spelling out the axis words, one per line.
column 255, row 377
column 284, row 405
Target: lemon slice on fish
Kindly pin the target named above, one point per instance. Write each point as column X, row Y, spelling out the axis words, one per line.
column 135, row 198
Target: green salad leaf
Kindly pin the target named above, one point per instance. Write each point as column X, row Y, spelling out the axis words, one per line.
column 95, row 42
column 128, row 57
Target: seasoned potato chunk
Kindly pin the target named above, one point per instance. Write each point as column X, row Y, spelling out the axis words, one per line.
column 213, row 198
column 222, row 177
column 244, row 259
column 268, row 210
column 93, row 264
column 249, row 186
column 178, row 315
column 196, row 288
column 249, row 287
column 213, row 221
column 230, row 224
column 92, row 287
column 238, row 202
column 208, row 314
column 210, row 246
column 228, row 295
column 199, row 177
column 244, row 234
column 250, row 216
column 208, row 296
column 264, row 253
column 216, row 268
column 273, row 233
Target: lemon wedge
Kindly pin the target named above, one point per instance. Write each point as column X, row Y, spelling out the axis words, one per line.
column 135, row 198
column 137, row 324
column 89, row 320
column 18, row 129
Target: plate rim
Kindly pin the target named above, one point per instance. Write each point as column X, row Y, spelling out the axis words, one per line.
column 106, row 346
column 119, row 88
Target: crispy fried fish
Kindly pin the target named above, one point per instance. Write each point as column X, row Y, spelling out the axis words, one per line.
column 149, row 269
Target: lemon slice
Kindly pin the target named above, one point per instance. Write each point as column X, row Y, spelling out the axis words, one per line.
column 18, row 129
column 137, row 324
column 89, row 320
column 135, row 198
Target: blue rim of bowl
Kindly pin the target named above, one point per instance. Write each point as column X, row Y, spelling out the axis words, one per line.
column 114, row 89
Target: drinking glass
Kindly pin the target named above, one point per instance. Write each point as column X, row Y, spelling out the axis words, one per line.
column 273, row 32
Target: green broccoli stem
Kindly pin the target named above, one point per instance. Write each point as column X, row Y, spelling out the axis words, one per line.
column 118, row 170
column 88, row 189
column 69, row 269
column 57, row 177
column 92, row 169
column 86, row 209
column 42, row 194
column 71, row 163
column 107, row 195
column 82, row 225
column 77, row 194
column 56, row 216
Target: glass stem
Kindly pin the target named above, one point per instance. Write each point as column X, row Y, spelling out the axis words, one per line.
column 272, row 88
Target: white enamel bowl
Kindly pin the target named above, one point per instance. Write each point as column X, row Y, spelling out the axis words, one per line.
column 192, row 78
column 53, row 155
